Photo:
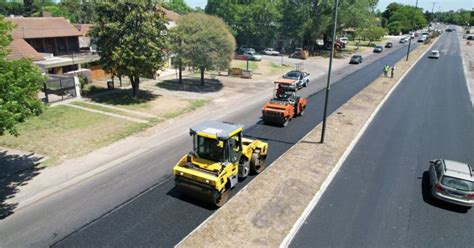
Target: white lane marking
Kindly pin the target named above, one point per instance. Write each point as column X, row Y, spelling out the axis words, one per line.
column 294, row 230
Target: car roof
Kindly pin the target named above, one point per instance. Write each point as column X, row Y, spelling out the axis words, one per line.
column 356, row 55
column 434, row 51
column 458, row 170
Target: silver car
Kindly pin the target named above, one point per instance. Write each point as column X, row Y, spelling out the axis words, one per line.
column 452, row 182
column 434, row 54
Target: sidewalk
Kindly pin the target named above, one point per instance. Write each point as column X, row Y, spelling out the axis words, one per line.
column 467, row 54
column 54, row 179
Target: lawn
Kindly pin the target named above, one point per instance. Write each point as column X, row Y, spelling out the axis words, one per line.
column 64, row 132
column 243, row 64
column 277, row 67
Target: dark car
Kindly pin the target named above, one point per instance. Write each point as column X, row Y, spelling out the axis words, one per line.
column 378, row 49
column 388, row 45
column 355, row 59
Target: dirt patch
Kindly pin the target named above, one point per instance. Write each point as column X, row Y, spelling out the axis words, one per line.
column 263, row 213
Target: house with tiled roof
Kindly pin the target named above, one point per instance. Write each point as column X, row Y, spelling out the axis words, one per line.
column 51, row 42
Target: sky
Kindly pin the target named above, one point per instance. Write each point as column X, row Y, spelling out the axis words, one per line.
column 443, row 5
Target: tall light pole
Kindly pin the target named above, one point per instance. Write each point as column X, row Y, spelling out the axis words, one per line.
column 412, row 29
column 328, row 85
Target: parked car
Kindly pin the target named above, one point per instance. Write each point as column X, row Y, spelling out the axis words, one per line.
column 299, row 53
column 271, row 51
column 252, row 56
column 452, row 182
column 470, row 37
column 434, row 54
column 388, row 45
column 403, row 40
column 244, row 49
column 344, row 40
column 356, row 59
column 301, row 77
column 378, row 49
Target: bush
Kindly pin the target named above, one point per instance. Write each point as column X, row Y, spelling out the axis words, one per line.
column 83, row 81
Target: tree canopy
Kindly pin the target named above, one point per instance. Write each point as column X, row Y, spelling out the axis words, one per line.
column 178, row 6
column 205, row 42
column 403, row 18
column 260, row 23
column 131, row 38
column 20, row 82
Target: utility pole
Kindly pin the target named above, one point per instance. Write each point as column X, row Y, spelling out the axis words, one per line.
column 328, row 85
column 432, row 9
column 412, row 29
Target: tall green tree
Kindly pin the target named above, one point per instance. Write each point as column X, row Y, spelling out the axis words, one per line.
column 206, row 42
column 403, row 18
column 178, row 6
column 78, row 11
column 131, row 38
column 20, row 82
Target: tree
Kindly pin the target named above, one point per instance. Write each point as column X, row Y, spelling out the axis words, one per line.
column 78, row 11
column 20, row 82
column 131, row 38
column 178, row 6
column 403, row 18
column 373, row 33
column 207, row 42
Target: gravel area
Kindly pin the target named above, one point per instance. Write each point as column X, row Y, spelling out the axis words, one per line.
column 467, row 51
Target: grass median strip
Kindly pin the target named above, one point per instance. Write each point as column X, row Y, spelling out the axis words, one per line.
column 264, row 212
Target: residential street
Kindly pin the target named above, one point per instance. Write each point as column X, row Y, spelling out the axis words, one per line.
column 379, row 198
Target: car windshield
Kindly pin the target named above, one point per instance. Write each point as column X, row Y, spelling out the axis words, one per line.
column 457, row 183
column 210, row 149
column 293, row 74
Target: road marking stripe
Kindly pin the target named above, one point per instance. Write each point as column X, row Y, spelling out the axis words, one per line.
column 317, row 196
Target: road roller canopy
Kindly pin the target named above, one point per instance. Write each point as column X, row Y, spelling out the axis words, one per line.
column 285, row 81
column 216, row 130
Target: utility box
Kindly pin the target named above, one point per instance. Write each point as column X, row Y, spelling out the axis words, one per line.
column 247, row 74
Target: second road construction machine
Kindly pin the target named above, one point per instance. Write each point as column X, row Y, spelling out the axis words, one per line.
column 220, row 157
column 285, row 105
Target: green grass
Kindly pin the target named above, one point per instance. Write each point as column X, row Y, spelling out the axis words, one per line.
column 277, row 67
column 243, row 65
column 101, row 108
column 64, row 132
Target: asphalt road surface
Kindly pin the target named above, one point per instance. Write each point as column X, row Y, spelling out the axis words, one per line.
column 100, row 211
column 379, row 198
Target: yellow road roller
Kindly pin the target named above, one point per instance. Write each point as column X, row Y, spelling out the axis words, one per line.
column 220, row 157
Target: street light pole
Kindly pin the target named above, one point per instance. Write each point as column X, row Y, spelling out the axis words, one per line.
column 328, row 85
column 412, row 29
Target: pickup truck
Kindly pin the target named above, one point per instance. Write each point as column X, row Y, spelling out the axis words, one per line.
column 301, row 77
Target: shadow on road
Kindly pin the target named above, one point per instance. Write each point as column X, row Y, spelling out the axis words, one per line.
column 15, row 171
column 428, row 198
column 192, row 85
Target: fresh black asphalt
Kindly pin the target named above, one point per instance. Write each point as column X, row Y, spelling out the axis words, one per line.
column 379, row 198
column 160, row 217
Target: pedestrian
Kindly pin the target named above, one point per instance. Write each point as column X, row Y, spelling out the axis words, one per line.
column 385, row 71
column 392, row 71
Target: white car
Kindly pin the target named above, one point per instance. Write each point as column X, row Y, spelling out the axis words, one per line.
column 434, row 54
column 252, row 56
column 344, row 40
column 271, row 51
